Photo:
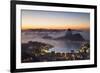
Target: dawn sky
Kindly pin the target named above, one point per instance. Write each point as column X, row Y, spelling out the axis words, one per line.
column 34, row 19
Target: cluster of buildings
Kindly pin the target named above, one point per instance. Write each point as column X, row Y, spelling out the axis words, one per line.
column 39, row 52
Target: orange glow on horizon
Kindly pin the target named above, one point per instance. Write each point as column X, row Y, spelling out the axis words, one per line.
column 71, row 26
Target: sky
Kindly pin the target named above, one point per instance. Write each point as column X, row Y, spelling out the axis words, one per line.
column 35, row 19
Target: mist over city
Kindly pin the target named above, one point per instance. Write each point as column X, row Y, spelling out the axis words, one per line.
column 54, row 36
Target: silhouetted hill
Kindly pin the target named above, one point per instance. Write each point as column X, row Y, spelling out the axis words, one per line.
column 72, row 37
column 77, row 37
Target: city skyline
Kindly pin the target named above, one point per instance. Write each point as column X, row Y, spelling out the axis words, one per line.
column 34, row 19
